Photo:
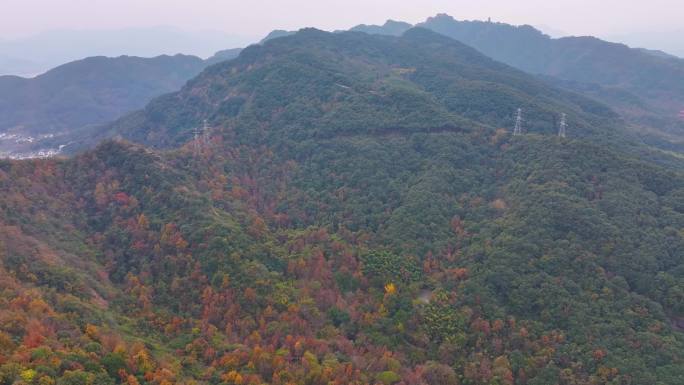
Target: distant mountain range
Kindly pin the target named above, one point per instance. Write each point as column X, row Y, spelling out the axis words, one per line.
column 38, row 114
column 654, row 77
column 64, row 104
column 33, row 55
column 646, row 86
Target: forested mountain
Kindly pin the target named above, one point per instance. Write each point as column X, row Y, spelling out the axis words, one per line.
column 66, row 100
column 358, row 214
column 645, row 87
column 325, row 84
column 65, row 104
column 223, row 55
column 655, row 79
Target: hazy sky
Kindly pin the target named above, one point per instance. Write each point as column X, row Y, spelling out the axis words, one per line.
column 254, row 18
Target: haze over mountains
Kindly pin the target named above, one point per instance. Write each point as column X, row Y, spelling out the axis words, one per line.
column 659, row 40
column 34, row 55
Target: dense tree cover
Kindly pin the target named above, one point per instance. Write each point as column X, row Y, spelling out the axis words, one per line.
column 316, row 84
column 391, row 27
column 323, row 247
column 583, row 59
column 647, row 87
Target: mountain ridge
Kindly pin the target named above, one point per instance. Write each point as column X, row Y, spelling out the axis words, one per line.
column 660, row 126
column 55, row 109
column 301, row 242
column 654, row 79
column 389, row 74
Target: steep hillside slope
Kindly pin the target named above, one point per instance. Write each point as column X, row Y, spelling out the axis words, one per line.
column 317, row 84
column 355, row 216
column 223, row 55
column 646, row 88
column 583, row 59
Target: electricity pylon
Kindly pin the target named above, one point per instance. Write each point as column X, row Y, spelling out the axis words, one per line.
column 518, row 123
column 563, row 126
column 205, row 132
column 196, row 144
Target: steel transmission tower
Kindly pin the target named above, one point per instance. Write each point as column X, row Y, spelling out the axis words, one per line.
column 563, row 126
column 205, row 133
column 518, row 123
column 197, row 145
column 200, row 139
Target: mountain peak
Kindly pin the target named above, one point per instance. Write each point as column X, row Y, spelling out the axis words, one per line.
column 276, row 34
column 441, row 17
column 391, row 22
column 391, row 27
